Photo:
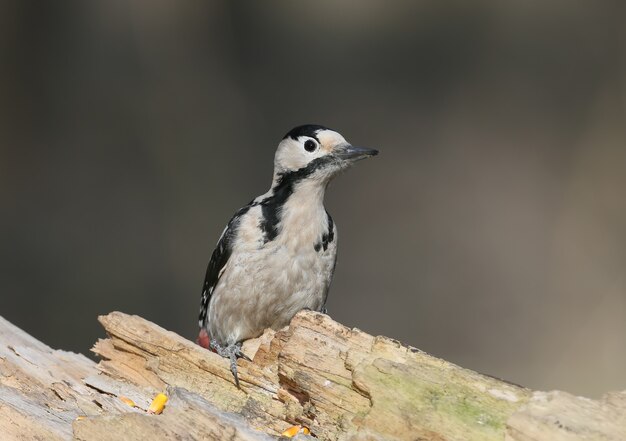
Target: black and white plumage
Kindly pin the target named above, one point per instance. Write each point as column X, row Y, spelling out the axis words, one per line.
column 277, row 254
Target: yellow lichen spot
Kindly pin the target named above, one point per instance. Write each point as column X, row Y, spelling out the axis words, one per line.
column 291, row 432
column 158, row 404
column 294, row 430
column 127, row 400
column 80, row 417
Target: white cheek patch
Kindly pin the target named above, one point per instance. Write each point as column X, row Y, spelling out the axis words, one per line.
column 290, row 155
column 296, row 158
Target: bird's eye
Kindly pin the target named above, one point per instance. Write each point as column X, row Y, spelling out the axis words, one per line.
column 310, row 145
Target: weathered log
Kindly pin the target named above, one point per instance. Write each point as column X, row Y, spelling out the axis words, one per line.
column 340, row 382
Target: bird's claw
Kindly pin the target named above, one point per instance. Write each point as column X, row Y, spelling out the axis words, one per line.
column 232, row 352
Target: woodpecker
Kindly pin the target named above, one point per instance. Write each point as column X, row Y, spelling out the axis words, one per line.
column 277, row 254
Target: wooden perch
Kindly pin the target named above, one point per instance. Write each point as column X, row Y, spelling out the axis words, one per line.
column 341, row 383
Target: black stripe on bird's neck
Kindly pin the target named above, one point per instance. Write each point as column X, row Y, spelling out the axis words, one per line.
column 327, row 237
column 283, row 188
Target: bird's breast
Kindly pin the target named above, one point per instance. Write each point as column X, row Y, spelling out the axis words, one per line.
column 265, row 285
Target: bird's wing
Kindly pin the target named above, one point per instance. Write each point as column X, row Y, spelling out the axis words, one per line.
column 218, row 261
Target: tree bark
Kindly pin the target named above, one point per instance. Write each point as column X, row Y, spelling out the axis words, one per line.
column 341, row 383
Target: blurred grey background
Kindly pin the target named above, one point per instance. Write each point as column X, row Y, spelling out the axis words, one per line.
column 490, row 231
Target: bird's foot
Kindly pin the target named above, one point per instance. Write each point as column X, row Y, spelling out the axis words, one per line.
column 232, row 352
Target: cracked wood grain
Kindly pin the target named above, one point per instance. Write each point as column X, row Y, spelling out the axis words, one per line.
column 342, row 383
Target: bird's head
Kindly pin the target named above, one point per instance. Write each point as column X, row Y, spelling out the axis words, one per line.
column 316, row 151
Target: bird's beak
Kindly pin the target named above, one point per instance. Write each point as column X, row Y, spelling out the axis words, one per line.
column 352, row 153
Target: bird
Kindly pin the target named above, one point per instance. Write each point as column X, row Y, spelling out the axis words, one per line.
column 277, row 254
